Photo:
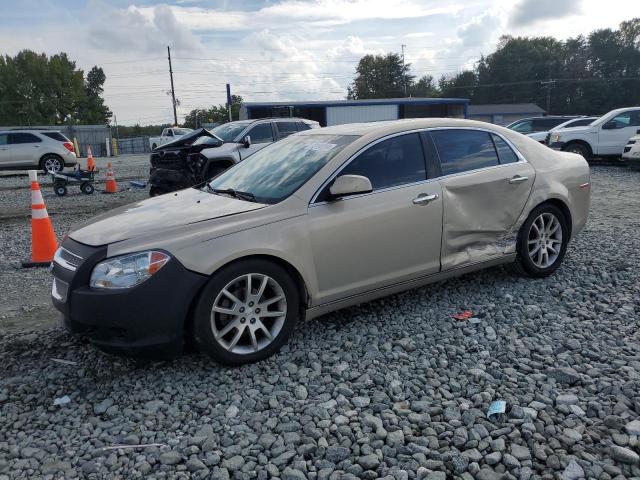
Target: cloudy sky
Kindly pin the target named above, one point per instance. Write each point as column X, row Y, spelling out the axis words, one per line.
column 275, row 49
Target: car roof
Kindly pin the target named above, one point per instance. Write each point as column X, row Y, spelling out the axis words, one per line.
column 394, row 126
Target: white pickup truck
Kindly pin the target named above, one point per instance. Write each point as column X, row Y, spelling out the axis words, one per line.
column 607, row 136
column 168, row 135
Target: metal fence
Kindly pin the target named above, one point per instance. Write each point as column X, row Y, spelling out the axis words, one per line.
column 128, row 146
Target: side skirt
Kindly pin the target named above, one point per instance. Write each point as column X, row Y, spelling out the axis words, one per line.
column 319, row 310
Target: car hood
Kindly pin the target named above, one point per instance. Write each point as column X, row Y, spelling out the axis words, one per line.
column 156, row 214
column 223, row 150
column 187, row 140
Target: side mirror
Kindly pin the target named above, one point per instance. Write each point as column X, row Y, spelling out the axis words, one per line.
column 346, row 185
column 246, row 141
column 610, row 125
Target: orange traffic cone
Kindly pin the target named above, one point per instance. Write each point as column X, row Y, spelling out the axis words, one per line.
column 43, row 238
column 111, row 186
column 91, row 166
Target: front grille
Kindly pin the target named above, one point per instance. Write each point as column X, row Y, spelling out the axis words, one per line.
column 66, row 259
column 547, row 139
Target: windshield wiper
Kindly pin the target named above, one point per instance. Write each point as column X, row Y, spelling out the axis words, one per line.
column 248, row 196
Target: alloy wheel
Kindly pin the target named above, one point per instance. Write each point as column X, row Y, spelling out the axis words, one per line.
column 52, row 164
column 545, row 240
column 248, row 313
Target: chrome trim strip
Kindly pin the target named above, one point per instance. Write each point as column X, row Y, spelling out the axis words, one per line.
column 57, row 258
column 314, row 197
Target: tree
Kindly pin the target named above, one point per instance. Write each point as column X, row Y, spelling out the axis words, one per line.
column 215, row 114
column 380, row 76
column 40, row 90
column 424, row 87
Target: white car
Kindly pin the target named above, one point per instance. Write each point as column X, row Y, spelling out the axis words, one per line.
column 543, row 137
column 27, row 148
column 631, row 152
column 606, row 136
column 168, row 135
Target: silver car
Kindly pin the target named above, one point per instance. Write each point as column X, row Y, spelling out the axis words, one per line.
column 321, row 220
column 47, row 150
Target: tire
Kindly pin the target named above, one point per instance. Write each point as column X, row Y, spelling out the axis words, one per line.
column 51, row 163
column 580, row 149
column 212, row 330
column 534, row 244
column 87, row 188
column 60, row 189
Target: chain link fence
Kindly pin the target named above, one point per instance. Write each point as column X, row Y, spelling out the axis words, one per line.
column 133, row 145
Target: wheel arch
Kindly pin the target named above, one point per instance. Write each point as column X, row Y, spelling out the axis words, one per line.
column 49, row 154
column 303, row 291
column 579, row 141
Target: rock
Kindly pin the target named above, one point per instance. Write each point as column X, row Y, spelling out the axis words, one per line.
column 487, row 474
column 301, row 392
column 234, row 463
column 369, row 462
column 170, row 458
column 194, row 465
column 336, row 454
column 436, row 476
column 624, row 455
column 293, row 474
column 567, row 399
column 493, row 458
column 510, row 461
column 565, row 375
column 395, row 439
column 232, row 411
column 103, row 406
column 520, row 452
column 573, row 471
column 360, row 402
column 633, row 428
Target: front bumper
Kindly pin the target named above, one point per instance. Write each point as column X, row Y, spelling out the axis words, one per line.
column 147, row 319
column 557, row 145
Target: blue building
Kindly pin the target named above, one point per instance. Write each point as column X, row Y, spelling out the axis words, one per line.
column 337, row 112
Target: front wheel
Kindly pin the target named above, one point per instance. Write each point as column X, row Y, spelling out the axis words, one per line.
column 542, row 242
column 246, row 312
column 87, row 188
column 580, row 149
column 60, row 189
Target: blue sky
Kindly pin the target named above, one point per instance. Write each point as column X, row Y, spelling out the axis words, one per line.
column 277, row 49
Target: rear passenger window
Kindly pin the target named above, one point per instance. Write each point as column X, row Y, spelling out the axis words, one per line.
column 286, row 128
column 505, row 153
column 3, row 139
column 464, row 150
column 303, row 126
column 16, row 138
column 55, row 136
column 390, row 163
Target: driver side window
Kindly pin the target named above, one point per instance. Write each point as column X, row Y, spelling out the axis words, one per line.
column 393, row 162
column 261, row 133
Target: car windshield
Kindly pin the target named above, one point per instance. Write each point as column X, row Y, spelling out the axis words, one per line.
column 181, row 131
column 523, row 126
column 275, row 172
column 229, row 131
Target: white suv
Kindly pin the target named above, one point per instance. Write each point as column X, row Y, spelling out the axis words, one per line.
column 23, row 149
column 607, row 136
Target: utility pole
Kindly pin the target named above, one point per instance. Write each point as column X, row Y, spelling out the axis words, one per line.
column 173, row 92
column 229, row 101
column 404, row 77
column 549, row 84
column 115, row 120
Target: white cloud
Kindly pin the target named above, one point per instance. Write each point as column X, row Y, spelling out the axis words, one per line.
column 528, row 12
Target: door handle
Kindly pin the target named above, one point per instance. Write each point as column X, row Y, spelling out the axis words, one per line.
column 518, row 179
column 423, row 199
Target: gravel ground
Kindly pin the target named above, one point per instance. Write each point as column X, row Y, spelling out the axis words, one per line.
column 393, row 389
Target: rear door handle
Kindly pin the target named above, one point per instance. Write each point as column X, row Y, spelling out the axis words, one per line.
column 518, row 179
column 424, row 199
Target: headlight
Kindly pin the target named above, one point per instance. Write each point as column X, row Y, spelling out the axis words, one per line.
column 555, row 138
column 127, row 270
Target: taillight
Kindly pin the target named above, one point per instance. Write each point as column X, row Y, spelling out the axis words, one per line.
column 69, row 146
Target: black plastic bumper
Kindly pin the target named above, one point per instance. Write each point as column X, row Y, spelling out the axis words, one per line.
column 557, row 145
column 147, row 319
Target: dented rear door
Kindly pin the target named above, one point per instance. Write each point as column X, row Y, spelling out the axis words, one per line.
column 485, row 186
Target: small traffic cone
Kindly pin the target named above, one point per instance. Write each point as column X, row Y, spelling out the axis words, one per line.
column 111, row 186
column 43, row 238
column 91, row 166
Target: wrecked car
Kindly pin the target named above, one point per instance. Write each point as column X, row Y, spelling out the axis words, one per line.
column 321, row 220
column 202, row 154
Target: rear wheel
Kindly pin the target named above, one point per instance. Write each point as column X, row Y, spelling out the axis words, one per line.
column 543, row 240
column 87, row 188
column 60, row 189
column 580, row 149
column 51, row 163
column 246, row 312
